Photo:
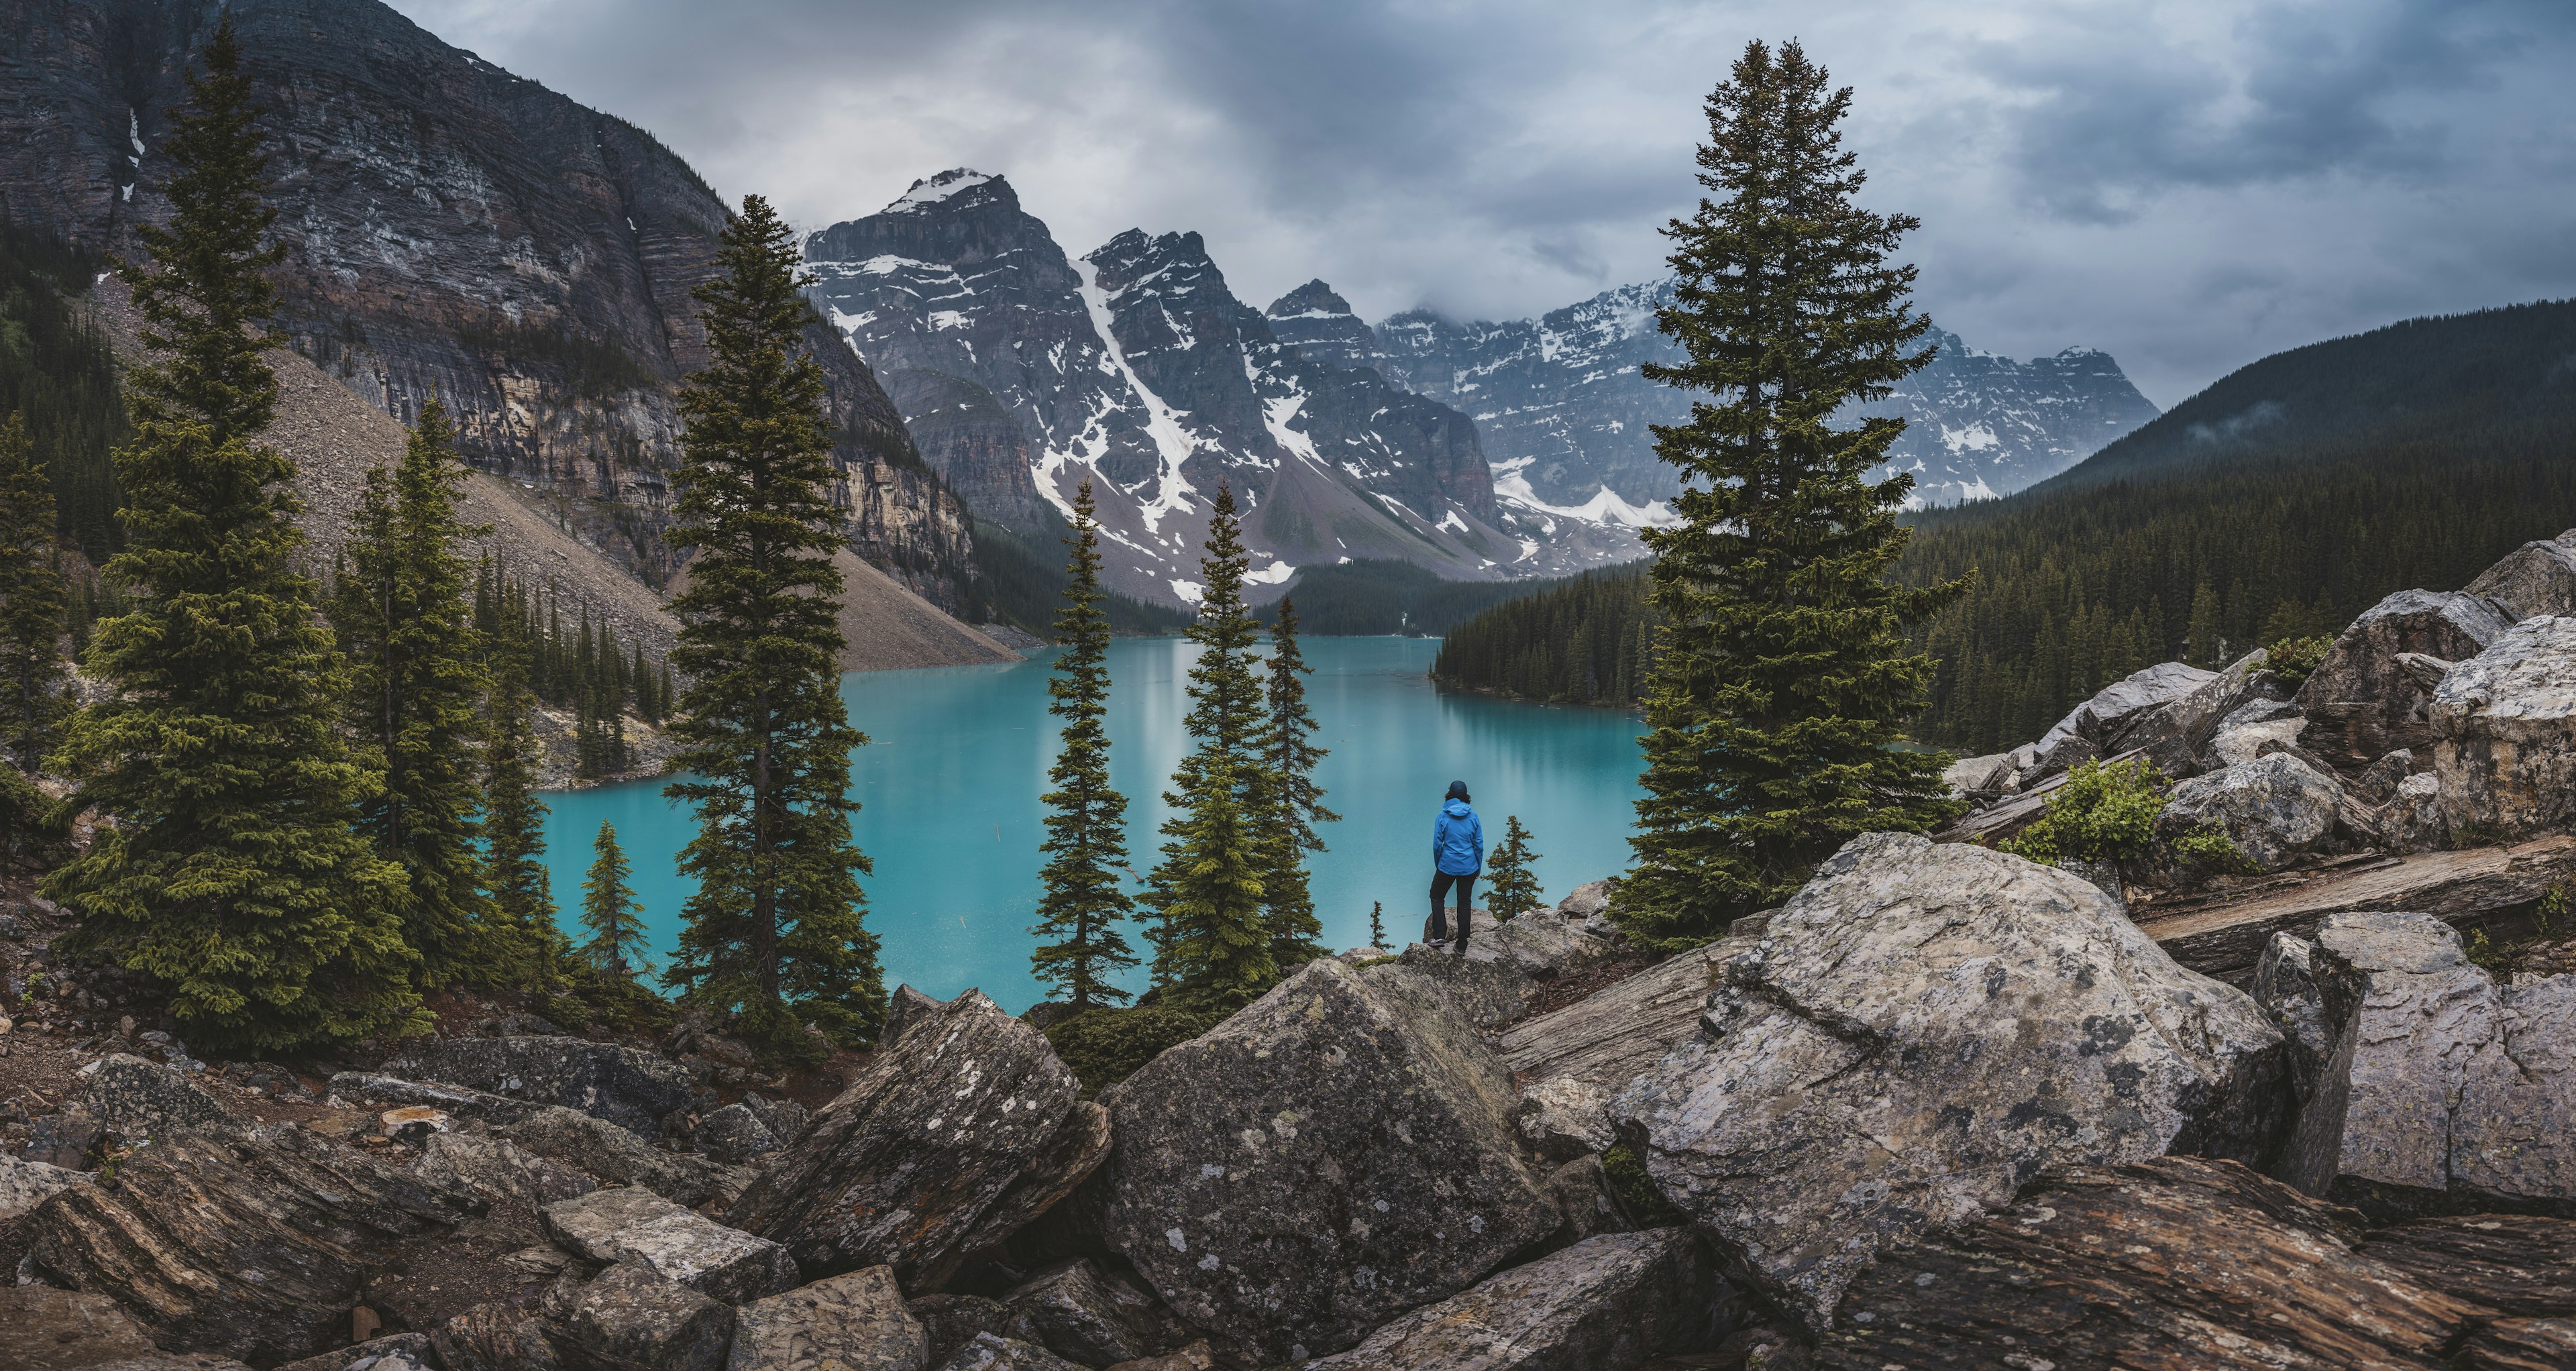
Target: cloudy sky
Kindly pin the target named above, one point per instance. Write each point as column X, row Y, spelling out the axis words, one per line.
column 2189, row 184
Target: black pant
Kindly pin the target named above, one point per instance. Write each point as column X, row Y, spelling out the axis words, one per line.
column 1466, row 902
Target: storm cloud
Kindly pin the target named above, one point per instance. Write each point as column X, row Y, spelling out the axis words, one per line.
column 2187, row 185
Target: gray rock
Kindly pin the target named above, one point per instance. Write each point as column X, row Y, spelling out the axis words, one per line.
column 1543, row 944
column 1921, row 1029
column 498, row 1336
column 137, row 1099
column 1609, row 1303
column 2102, row 876
column 990, row 1353
column 401, row 1352
column 1584, row 1197
column 2514, row 1138
column 2276, row 809
column 1564, row 1117
column 1091, row 1316
column 613, row 1154
column 2507, row 719
column 633, row 1320
column 904, row 1008
column 1589, row 905
column 1612, row 1036
column 25, row 1184
column 2380, row 779
column 498, row 1170
column 1487, row 990
column 2285, row 985
column 2360, row 704
column 2176, row 734
column 360, row 1088
column 2535, row 579
column 2252, row 730
column 2413, row 820
column 44, row 1329
column 624, row 1085
column 783, row 1118
column 250, row 1243
column 169, row 1361
column 853, row 1322
column 952, row 1321
column 1336, row 1153
column 904, row 1168
column 633, row 1225
column 735, row 1134
column 1977, row 773
column 2088, row 730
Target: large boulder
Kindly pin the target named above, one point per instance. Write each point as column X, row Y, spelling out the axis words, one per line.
column 25, row 1184
column 1588, row 905
column 1918, row 1031
column 2089, row 729
column 44, row 1329
column 137, row 1099
column 734, row 1134
column 500, row 1171
column 905, row 1168
column 613, row 1154
column 1489, row 990
column 2535, row 579
column 251, row 1244
column 2507, row 719
column 632, row 1224
column 2413, row 820
column 2276, row 809
column 2443, row 1092
column 631, row 1319
column 1609, row 1303
column 2361, row 703
column 1542, row 944
column 624, row 1085
column 1612, row 1036
column 1337, row 1153
column 2285, row 985
column 399, row 1352
column 2174, row 735
column 991, row 1352
column 853, row 1322
column 1092, row 1316
column 2251, row 730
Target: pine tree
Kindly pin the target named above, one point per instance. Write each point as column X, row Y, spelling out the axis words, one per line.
column 234, row 877
column 1377, row 923
column 1783, row 678
column 1292, row 804
column 417, row 692
column 1212, row 937
column 1086, row 842
column 32, row 600
column 1511, row 888
column 524, row 939
column 610, row 911
column 2204, row 642
column 774, row 931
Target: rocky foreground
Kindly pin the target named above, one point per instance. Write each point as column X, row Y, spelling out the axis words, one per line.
column 1946, row 1108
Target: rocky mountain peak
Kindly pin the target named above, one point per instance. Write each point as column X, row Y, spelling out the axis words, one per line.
column 931, row 191
column 1313, row 298
column 1318, row 323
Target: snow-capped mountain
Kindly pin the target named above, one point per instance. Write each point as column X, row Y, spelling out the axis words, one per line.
column 1022, row 373
column 1564, row 414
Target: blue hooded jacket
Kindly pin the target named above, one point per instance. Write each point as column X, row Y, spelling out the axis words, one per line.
column 1458, row 839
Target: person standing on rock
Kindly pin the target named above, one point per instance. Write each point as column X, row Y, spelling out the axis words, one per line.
column 1457, row 854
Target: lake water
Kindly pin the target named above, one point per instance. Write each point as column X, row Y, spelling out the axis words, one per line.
column 958, row 756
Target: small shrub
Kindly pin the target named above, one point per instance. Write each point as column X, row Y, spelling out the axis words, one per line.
column 2496, row 959
column 2212, row 852
column 2550, row 915
column 2295, row 659
column 1635, row 1190
column 2102, row 814
column 1105, row 1046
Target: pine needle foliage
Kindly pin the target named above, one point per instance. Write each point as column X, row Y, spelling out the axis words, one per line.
column 235, row 877
column 1291, row 803
column 1784, row 677
column 1511, row 888
column 774, row 932
column 32, row 599
column 1212, row 936
column 1586, row 641
column 1086, row 843
column 523, row 941
column 417, row 687
column 610, row 913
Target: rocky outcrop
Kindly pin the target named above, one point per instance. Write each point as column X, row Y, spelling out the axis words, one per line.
column 2443, row 1092
column 1610, row 1037
column 991, row 1352
column 2175, row 736
column 2360, row 703
column 1609, row 1303
column 139, row 1099
column 1564, row 1117
column 2285, row 985
column 853, row 1322
column 1338, row 1152
column 2251, row 730
column 1920, row 1029
column 734, row 1134
column 500, row 1171
column 1543, row 944
column 1488, row 991
column 2413, row 820
column 634, row 1225
column 1091, row 1316
column 2277, row 810
column 2090, row 729
column 904, row 1168
column 363, row 1088
column 625, row 1085
column 25, row 1184
column 2507, row 720
column 2174, row 1264
column 44, row 1329
column 632, row 1318
column 2535, row 579
column 252, row 1245
column 612, row 1154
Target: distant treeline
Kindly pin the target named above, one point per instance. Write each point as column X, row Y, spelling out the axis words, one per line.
column 581, row 667
column 1019, row 581
column 58, row 371
column 1587, row 641
column 1372, row 598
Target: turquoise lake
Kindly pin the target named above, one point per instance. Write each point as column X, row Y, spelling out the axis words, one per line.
column 958, row 756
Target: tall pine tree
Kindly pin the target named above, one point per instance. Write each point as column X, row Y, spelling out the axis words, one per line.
column 234, row 876
column 523, row 937
column 417, row 692
column 1086, row 843
column 610, row 911
column 32, row 600
column 1784, row 678
column 1211, row 936
column 1292, row 804
column 774, row 931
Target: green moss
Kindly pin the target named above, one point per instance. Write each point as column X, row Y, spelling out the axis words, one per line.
column 1105, row 1046
column 1635, row 1190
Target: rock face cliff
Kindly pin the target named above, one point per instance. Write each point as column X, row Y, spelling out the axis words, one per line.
column 455, row 230
column 1565, row 414
column 1024, row 372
